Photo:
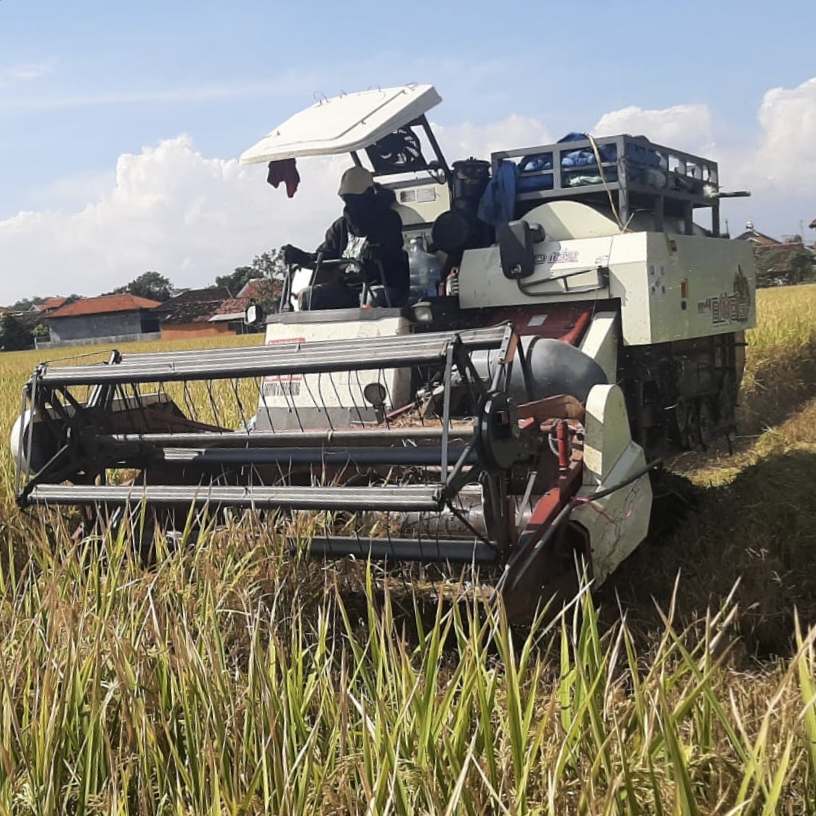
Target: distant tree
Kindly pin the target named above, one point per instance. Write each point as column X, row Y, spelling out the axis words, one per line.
column 14, row 335
column 267, row 293
column 150, row 285
column 802, row 266
column 236, row 281
column 266, row 265
column 270, row 265
column 25, row 304
column 783, row 265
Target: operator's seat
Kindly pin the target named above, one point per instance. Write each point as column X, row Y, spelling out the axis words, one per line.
column 368, row 294
column 408, row 215
column 413, row 223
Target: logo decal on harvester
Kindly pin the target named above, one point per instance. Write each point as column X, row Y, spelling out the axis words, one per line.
column 564, row 256
column 283, row 385
column 733, row 307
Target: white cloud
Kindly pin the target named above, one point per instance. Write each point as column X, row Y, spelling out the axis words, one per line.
column 784, row 158
column 74, row 191
column 685, row 127
column 169, row 209
column 461, row 141
column 776, row 162
column 155, row 96
column 779, row 164
column 290, row 83
column 191, row 217
column 24, row 72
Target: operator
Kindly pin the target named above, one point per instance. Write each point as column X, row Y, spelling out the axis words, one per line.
column 369, row 231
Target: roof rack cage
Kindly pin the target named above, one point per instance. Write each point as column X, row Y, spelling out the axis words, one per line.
column 631, row 171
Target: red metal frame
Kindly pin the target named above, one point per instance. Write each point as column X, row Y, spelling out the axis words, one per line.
column 565, row 322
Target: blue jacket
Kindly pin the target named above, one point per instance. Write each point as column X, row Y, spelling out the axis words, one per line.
column 498, row 201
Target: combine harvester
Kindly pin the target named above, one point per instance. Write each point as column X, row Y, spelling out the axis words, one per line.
column 512, row 421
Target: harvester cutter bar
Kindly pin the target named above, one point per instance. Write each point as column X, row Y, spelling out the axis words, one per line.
column 407, row 498
column 279, row 439
column 393, row 456
column 454, row 551
column 314, row 357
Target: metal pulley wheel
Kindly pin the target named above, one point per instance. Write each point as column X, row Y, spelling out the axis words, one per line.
column 706, row 423
column 499, row 435
column 693, row 426
column 681, row 414
column 726, row 399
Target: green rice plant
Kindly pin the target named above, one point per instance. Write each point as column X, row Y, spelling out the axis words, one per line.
column 227, row 678
column 180, row 690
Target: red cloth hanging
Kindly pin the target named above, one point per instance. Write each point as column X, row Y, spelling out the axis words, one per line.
column 284, row 170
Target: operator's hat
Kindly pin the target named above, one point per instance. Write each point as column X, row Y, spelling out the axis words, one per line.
column 355, row 181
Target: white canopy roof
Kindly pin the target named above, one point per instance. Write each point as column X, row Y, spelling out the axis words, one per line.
column 344, row 123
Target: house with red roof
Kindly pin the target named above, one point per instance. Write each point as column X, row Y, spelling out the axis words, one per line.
column 201, row 313
column 50, row 305
column 757, row 238
column 261, row 290
column 779, row 263
column 104, row 319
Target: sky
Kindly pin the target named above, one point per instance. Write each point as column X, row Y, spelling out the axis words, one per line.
column 121, row 121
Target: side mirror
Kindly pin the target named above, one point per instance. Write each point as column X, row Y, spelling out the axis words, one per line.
column 516, row 252
column 254, row 314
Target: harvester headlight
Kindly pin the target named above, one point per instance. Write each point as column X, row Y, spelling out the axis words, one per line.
column 375, row 394
column 423, row 312
column 18, row 431
column 32, row 443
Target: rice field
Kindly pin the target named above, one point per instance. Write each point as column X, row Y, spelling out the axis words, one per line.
column 230, row 680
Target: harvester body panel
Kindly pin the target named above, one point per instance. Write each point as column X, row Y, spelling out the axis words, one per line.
column 670, row 287
column 296, row 400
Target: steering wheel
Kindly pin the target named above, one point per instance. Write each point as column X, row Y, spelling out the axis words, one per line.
column 350, row 267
